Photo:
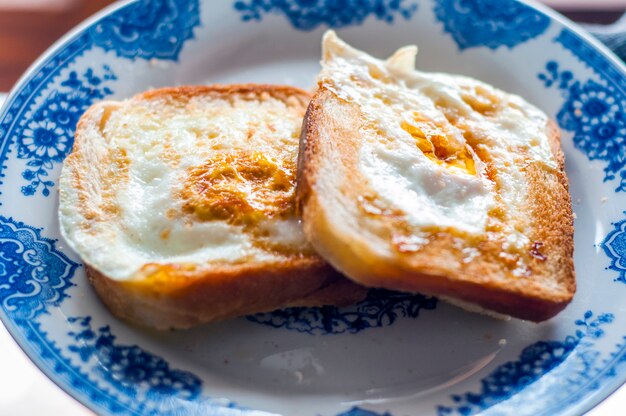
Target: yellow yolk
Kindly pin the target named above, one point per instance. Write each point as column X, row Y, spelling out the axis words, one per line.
column 242, row 188
column 435, row 143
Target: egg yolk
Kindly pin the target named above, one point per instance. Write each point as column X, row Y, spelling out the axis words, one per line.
column 241, row 188
column 436, row 145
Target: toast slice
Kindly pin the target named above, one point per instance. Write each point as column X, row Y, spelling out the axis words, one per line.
column 180, row 201
column 437, row 184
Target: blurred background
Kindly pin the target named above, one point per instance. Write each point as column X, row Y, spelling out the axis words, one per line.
column 29, row 27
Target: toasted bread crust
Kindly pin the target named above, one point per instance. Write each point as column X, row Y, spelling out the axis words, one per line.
column 226, row 292
column 330, row 142
column 220, row 291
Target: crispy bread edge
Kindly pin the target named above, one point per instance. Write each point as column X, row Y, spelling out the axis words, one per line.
column 354, row 257
column 226, row 292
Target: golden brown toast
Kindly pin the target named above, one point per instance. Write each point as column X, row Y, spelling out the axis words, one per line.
column 436, row 184
column 180, row 201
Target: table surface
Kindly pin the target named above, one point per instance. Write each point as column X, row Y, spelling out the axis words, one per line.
column 25, row 390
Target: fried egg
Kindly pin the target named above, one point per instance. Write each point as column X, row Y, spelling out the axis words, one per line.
column 186, row 177
column 447, row 130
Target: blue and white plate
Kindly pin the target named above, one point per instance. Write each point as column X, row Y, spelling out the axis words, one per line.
column 392, row 354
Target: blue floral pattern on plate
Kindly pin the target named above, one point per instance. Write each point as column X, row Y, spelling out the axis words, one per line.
column 490, row 23
column 380, row 308
column 592, row 58
column 34, row 275
column 614, row 246
column 309, row 14
column 148, row 29
column 130, row 368
column 143, row 29
column 47, row 136
column 594, row 112
column 535, row 361
column 357, row 411
column 14, row 122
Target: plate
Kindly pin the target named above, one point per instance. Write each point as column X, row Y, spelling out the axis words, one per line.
column 392, row 354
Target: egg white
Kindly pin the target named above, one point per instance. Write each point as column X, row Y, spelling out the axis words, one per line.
column 159, row 142
column 434, row 195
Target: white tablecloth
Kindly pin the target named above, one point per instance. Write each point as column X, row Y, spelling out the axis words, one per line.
column 26, row 391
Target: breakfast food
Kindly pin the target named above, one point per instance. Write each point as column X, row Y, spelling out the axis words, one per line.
column 437, row 184
column 180, row 202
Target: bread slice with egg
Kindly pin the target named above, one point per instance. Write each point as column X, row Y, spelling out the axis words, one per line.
column 435, row 183
column 180, row 201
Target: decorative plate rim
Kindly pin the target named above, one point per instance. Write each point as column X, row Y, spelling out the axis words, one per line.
column 29, row 349
column 9, row 97
column 620, row 66
column 576, row 28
